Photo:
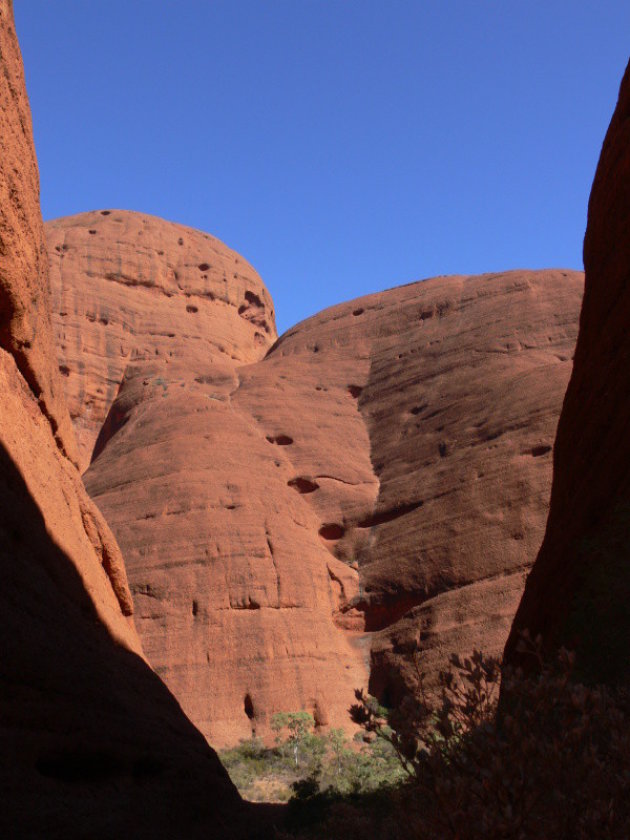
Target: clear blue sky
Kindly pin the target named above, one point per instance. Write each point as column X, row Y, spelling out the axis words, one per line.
column 341, row 146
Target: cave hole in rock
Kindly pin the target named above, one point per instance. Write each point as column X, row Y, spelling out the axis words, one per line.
column 250, row 297
column 105, row 212
column 332, row 531
column 191, row 308
column 358, row 312
column 280, row 440
column 355, row 390
column 203, row 266
column 195, row 608
column 442, row 449
column 64, row 370
column 249, row 707
column 92, row 232
column 303, row 485
column 180, row 241
column 319, row 716
column 537, row 451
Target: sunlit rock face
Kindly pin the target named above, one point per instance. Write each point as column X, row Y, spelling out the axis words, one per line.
column 458, row 382
column 237, row 595
column 577, row 593
column 295, row 514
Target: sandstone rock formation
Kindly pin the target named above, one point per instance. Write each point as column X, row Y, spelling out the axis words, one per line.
column 458, row 382
column 296, row 515
column 130, row 289
column 25, row 331
column 93, row 744
column 235, row 590
column 577, row 594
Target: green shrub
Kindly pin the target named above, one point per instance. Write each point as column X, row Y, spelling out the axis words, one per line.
column 304, row 765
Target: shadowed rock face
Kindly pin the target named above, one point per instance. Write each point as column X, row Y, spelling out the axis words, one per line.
column 93, row 744
column 577, row 594
column 295, row 517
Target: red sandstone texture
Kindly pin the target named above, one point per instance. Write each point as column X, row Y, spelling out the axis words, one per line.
column 93, row 744
column 295, row 516
column 129, row 290
column 33, row 397
column 236, row 592
column 577, row 594
column 458, row 382
column 25, row 330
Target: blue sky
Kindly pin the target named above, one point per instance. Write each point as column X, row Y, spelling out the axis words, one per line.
column 341, row 146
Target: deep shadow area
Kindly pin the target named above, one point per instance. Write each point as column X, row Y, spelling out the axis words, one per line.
column 92, row 742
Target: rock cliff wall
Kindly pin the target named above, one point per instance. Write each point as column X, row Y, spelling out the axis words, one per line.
column 93, row 744
column 577, row 593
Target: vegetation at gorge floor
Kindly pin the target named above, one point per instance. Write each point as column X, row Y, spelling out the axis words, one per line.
column 552, row 761
column 304, row 763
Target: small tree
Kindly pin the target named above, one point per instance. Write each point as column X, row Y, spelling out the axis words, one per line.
column 299, row 726
column 337, row 740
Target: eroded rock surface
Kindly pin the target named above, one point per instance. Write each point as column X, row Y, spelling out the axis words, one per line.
column 295, row 517
column 458, row 382
column 237, row 596
column 577, row 594
column 25, row 329
column 93, row 744
column 130, row 289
